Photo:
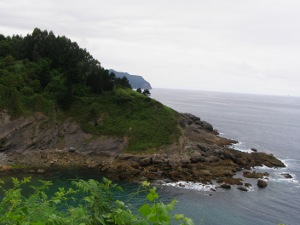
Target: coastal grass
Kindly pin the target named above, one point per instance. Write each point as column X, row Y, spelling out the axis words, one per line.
column 146, row 123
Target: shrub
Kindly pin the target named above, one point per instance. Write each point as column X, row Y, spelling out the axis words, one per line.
column 88, row 202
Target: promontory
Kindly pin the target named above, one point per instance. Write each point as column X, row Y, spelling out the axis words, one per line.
column 59, row 108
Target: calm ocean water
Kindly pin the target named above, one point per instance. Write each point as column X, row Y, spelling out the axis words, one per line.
column 267, row 123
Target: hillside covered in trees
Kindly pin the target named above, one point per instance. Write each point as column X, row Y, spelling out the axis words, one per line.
column 51, row 74
column 42, row 62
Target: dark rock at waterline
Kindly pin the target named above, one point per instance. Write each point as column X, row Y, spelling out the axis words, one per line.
column 268, row 160
column 207, row 126
column 262, row 183
column 225, row 186
column 287, row 175
column 253, row 149
column 248, row 185
column 243, row 189
column 188, row 119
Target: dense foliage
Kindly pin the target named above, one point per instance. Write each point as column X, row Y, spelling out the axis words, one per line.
column 44, row 64
column 87, row 202
column 51, row 74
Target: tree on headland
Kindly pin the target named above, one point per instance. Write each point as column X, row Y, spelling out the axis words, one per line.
column 146, row 92
column 139, row 90
column 123, row 82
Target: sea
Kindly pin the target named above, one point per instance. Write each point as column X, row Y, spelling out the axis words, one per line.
column 268, row 123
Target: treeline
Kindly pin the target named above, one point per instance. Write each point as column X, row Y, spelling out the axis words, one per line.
column 48, row 67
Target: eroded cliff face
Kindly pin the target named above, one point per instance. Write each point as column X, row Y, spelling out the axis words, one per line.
column 200, row 155
column 40, row 133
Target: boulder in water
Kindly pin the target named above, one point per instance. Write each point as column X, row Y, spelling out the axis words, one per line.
column 254, row 149
column 287, row 175
column 243, row 189
column 225, row 186
column 262, row 183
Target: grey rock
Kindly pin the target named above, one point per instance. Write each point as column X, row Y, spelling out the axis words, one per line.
column 196, row 157
column 207, row 126
column 191, row 117
column 185, row 160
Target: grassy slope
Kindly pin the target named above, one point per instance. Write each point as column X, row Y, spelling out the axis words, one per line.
column 147, row 123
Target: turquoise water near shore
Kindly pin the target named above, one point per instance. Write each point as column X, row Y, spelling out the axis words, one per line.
column 267, row 123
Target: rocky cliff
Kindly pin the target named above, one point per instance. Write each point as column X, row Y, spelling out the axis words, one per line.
column 200, row 154
column 134, row 80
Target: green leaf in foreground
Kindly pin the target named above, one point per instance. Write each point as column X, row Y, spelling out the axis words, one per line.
column 87, row 202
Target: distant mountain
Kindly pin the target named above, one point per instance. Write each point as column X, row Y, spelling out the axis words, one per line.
column 134, row 80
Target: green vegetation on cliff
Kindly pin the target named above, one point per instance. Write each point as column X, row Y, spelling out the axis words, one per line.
column 51, row 74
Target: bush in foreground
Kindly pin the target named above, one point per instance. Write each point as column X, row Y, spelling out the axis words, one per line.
column 87, row 202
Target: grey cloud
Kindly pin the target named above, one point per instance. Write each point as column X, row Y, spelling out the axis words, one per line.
column 209, row 42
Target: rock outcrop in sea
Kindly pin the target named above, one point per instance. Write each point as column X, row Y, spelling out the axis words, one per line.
column 200, row 155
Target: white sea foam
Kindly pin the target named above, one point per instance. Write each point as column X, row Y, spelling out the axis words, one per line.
column 264, row 167
column 191, row 185
column 237, row 147
column 251, row 188
column 279, row 177
column 290, row 163
column 277, row 174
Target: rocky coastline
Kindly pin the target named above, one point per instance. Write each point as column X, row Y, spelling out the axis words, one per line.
column 37, row 144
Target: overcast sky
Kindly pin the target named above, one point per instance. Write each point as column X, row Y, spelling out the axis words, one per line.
column 249, row 46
